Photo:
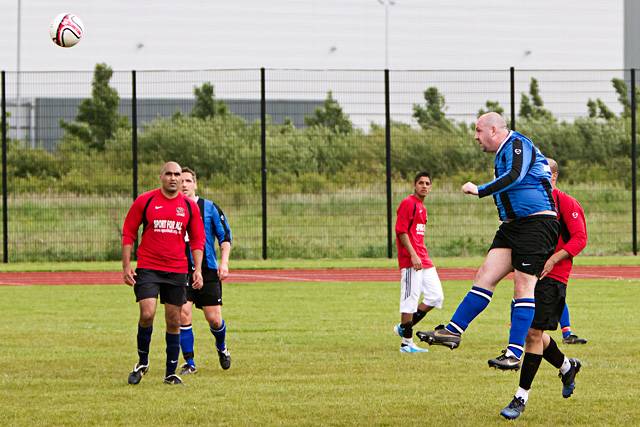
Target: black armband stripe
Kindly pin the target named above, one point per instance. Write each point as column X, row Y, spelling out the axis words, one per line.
column 514, row 173
column 225, row 224
column 549, row 190
column 508, row 207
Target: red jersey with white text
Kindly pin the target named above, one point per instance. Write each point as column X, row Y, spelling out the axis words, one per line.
column 165, row 223
column 411, row 218
column 573, row 233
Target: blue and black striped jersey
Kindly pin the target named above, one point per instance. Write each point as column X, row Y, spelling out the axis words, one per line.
column 215, row 227
column 522, row 183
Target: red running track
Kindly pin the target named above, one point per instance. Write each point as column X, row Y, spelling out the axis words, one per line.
column 301, row 275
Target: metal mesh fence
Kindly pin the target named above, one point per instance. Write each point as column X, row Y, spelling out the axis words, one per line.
column 221, row 143
column 457, row 224
column 323, row 201
column 74, row 163
column 66, row 194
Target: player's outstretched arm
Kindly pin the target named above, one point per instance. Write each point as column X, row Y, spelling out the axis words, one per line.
column 470, row 188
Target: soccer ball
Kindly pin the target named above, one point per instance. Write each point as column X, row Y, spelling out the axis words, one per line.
column 66, row 30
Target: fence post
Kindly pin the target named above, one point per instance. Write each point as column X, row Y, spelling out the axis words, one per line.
column 134, row 135
column 634, row 157
column 512, row 92
column 263, row 159
column 5, row 208
column 387, row 139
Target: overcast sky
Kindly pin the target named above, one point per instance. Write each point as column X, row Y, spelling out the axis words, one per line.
column 334, row 34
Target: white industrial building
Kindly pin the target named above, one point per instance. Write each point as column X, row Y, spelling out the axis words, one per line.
column 330, row 35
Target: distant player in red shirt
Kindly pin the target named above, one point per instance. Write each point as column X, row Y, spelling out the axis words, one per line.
column 166, row 215
column 550, row 293
column 417, row 273
column 573, row 239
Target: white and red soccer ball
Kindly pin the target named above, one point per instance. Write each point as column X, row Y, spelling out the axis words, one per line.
column 66, row 30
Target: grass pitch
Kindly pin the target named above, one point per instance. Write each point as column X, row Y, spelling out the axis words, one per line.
column 305, row 354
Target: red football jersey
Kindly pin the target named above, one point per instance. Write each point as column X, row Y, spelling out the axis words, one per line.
column 411, row 218
column 165, row 223
column 573, row 233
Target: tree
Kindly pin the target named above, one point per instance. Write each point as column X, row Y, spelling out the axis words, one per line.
column 432, row 115
column 491, row 106
column 623, row 96
column 598, row 109
column 207, row 105
column 98, row 117
column 592, row 108
column 533, row 107
column 331, row 116
column 622, row 90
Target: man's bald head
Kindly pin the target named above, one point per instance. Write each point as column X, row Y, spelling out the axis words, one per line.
column 170, row 166
column 554, row 171
column 491, row 131
column 493, row 119
column 170, row 178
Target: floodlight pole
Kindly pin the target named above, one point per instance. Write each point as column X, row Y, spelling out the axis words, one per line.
column 18, row 63
column 386, row 4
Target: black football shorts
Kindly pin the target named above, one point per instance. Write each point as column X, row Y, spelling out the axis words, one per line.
column 532, row 241
column 170, row 286
column 550, row 297
column 211, row 291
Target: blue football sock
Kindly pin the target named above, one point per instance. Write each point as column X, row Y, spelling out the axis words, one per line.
column 144, row 340
column 521, row 318
column 220, row 334
column 476, row 300
column 565, row 323
column 173, row 352
column 186, row 343
column 513, row 302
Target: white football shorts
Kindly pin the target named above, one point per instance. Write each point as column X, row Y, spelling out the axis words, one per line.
column 415, row 282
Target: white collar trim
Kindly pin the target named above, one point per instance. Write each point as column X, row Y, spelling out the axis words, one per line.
column 505, row 140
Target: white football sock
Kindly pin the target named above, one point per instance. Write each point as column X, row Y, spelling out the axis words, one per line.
column 566, row 366
column 523, row 394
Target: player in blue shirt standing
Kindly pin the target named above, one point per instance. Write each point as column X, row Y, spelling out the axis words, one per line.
column 524, row 241
column 209, row 297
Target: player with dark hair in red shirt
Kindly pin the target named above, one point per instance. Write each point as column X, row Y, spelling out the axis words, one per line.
column 417, row 273
column 166, row 216
column 550, row 294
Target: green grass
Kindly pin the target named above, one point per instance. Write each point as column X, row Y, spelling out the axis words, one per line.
column 345, row 223
column 270, row 264
column 305, row 354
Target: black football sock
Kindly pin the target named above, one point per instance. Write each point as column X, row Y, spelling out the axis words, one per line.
column 407, row 330
column 173, row 352
column 553, row 355
column 418, row 316
column 530, row 365
column 144, row 339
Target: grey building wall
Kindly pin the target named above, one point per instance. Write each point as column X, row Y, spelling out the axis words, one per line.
column 631, row 34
